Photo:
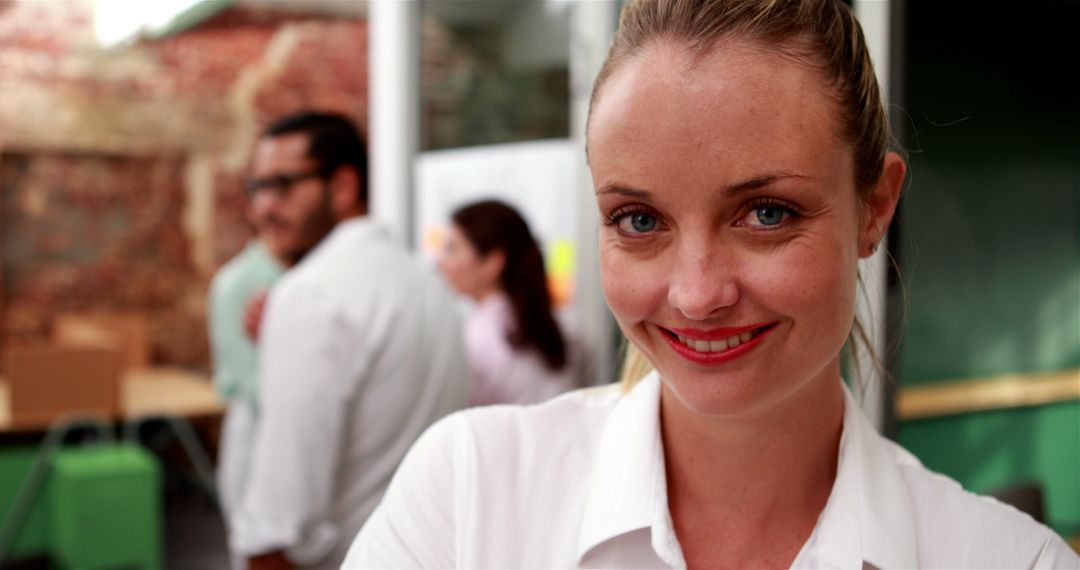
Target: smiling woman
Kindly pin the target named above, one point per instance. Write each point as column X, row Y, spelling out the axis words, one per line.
column 765, row 235
column 739, row 152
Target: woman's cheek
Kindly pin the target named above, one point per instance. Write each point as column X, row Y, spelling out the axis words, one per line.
column 814, row 284
column 631, row 285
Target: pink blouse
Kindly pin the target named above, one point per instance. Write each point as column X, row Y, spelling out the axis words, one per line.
column 502, row 374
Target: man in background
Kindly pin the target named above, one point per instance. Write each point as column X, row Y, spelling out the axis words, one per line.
column 359, row 351
column 284, row 232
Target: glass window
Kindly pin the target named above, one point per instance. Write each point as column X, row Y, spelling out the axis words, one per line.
column 494, row 72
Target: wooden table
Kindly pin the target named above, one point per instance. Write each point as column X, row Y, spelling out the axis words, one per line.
column 153, row 391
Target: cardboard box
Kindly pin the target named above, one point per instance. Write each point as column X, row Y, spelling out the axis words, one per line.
column 47, row 381
column 128, row 333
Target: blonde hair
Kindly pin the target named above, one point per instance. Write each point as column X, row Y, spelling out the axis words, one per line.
column 821, row 33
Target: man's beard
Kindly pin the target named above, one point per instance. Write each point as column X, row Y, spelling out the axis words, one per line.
column 314, row 228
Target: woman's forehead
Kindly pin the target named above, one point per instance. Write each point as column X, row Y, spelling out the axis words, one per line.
column 736, row 104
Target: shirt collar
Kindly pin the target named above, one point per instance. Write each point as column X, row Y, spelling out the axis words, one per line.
column 628, row 489
column 496, row 303
column 868, row 521
column 360, row 225
column 869, row 500
column 886, row 513
column 358, row 229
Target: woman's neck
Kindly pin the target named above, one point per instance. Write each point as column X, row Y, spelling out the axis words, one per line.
column 759, row 482
column 485, row 293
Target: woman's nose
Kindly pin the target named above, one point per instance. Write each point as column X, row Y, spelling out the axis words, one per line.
column 702, row 283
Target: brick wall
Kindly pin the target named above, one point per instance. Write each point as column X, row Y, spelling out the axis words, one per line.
column 121, row 172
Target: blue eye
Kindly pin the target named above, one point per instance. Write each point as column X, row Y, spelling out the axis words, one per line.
column 769, row 215
column 642, row 222
column 636, row 222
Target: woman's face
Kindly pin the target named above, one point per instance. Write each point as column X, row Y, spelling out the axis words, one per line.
column 464, row 267
column 731, row 225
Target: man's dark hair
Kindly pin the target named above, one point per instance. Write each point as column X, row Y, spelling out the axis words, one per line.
column 333, row 142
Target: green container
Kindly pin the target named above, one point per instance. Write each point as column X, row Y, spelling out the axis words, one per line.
column 32, row 538
column 105, row 508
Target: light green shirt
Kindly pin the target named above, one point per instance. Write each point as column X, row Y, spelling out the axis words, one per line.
column 236, row 362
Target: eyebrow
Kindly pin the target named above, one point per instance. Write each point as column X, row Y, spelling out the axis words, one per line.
column 759, row 182
column 624, row 191
column 728, row 191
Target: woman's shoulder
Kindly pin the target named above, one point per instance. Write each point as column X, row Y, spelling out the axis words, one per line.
column 956, row 527
column 471, row 467
column 572, row 419
column 503, row 432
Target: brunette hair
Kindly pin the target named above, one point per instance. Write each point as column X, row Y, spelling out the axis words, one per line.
column 821, row 33
column 492, row 226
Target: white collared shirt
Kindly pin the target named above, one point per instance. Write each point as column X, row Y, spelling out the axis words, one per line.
column 578, row 482
column 360, row 352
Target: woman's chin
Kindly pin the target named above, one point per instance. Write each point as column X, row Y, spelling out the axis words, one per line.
column 728, row 394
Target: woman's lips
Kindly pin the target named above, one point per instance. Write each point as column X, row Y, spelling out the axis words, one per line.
column 716, row 346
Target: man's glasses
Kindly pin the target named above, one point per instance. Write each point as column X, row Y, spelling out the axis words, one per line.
column 280, row 184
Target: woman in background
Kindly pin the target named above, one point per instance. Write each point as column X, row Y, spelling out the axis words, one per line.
column 516, row 351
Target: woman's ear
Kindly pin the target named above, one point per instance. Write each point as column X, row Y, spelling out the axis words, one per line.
column 492, row 265
column 881, row 205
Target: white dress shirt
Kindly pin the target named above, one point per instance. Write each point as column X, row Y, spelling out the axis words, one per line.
column 503, row 373
column 579, row 482
column 236, row 369
column 360, row 352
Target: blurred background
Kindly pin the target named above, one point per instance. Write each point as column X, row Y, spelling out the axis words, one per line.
column 126, row 130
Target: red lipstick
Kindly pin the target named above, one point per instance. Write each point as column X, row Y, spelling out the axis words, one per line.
column 720, row 333
column 720, row 357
